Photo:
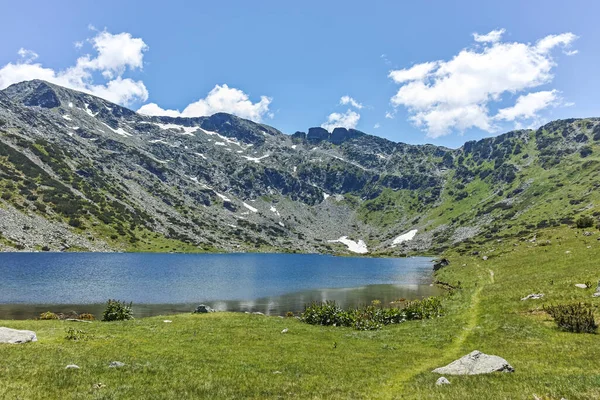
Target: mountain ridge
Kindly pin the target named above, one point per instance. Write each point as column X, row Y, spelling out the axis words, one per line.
column 111, row 179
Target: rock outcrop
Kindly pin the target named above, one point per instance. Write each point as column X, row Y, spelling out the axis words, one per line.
column 15, row 336
column 475, row 363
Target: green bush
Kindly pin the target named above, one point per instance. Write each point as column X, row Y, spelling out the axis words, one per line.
column 370, row 317
column 76, row 334
column 584, row 221
column 48, row 315
column 577, row 318
column 117, row 311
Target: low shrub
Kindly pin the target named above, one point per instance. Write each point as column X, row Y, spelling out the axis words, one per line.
column 76, row 334
column 577, row 318
column 370, row 317
column 48, row 315
column 117, row 311
column 86, row 317
column 584, row 221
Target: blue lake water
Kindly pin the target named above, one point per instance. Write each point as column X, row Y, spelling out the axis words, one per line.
column 166, row 283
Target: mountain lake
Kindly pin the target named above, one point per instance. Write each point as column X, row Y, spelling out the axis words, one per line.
column 160, row 284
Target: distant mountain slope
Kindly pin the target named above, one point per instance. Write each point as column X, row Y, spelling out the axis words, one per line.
column 80, row 173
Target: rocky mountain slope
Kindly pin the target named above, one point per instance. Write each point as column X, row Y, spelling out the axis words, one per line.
column 80, row 173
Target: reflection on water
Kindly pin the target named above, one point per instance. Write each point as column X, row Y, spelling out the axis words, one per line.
column 31, row 283
column 274, row 305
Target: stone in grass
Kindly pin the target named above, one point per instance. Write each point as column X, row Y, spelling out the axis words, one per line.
column 15, row 336
column 203, row 309
column 533, row 296
column 116, row 364
column 285, row 330
column 442, row 381
column 72, row 366
column 476, row 363
column 581, row 285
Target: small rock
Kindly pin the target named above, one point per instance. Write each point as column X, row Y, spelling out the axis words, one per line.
column 257, row 313
column 167, row 321
column 442, row 381
column 72, row 366
column 597, row 294
column 441, row 264
column 277, row 372
column 15, row 336
column 116, row 364
column 203, row 309
column 581, row 285
column 568, row 252
column 533, row 296
column 285, row 330
column 476, row 363
column 484, row 258
column 78, row 320
column 98, row 385
column 586, row 233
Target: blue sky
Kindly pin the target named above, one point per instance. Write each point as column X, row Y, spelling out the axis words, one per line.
column 289, row 64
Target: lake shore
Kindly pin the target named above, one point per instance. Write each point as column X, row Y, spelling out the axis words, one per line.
column 236, row 355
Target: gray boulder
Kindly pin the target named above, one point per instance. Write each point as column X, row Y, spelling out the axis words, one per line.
column 476, row 363
column 442, row 381
column 14, row 336
column 72, row 366
column 533, row 296
column 116, row 364
column 203, row 309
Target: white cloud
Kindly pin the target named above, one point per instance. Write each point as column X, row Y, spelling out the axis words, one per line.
column 27, row 56
column 349, row 100
column 570, row 52
column 493, row 36
column 348, row 120
column 115, row 54
column 456, row 94
column 78, row 44
column 154, row 109
column 221, row 98
column 551, row 41
column 414, row 73
column 376, row 126
column 390, row 114
column 528, row 105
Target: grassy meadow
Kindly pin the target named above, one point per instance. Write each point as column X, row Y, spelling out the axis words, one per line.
column 235, row 355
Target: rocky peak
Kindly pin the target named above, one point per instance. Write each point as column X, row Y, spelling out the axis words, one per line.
column 34, row 93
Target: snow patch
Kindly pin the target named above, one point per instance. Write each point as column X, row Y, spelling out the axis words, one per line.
column 405, row 237
column 187, row 130
column 220, row 144
column 67, row 117
column 359, row 247
column 87, row 110
column 223, row 138
column 119, row 131
column 157, row 141
column 274, row 210
column 281, row 224
column 70, row 105
column 223, row 197
column 294, row 146
column 325, row 196
column 201, row 155
column 256, row 159
column 249, row 207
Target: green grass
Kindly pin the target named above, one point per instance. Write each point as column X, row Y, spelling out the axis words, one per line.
column 234, row 355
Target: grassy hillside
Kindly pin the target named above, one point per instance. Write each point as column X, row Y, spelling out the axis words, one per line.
column 226, row 355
